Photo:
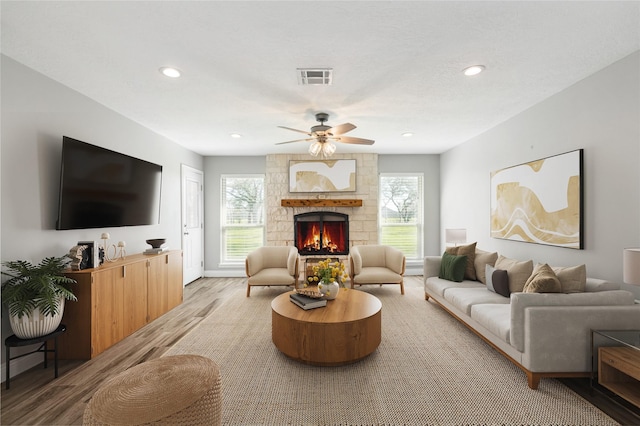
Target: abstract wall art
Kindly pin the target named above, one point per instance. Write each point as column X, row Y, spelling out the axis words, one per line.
column 540, row 201
column 322, row 176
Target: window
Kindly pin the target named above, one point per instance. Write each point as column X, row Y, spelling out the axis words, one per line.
column 242, row 216
column 401, row 213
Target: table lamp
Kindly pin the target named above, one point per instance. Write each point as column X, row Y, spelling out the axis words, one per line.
column 631, row 266
column 455, row 236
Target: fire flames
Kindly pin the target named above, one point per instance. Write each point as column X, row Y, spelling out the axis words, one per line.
column 332, row 238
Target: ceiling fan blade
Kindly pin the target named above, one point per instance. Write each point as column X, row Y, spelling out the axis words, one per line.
column 341, row 129
column 352, row 140
column 297, row 140
column 296, row 130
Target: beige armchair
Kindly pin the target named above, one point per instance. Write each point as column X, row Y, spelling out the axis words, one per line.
column 376, row 264
column 272, row 265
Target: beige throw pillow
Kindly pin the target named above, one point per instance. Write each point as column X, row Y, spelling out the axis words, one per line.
column 518, row 272
column 469, row 251
column 572, row 279
column 543, row 280
column 482, row 259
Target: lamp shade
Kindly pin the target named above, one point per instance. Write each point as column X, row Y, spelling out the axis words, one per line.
column 631, row 266
column 455, row 236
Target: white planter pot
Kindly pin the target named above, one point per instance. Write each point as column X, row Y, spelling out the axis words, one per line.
column 329, row 291
column 36, row 324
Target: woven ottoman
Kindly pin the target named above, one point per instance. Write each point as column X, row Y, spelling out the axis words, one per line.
column 176, row 390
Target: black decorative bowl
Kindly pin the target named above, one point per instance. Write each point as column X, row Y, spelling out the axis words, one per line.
column 157, row 242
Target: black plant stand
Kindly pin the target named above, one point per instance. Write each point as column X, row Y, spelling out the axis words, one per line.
column 13, row 341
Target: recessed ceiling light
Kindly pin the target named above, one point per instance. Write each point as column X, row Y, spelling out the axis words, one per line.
column 170, row 72
column 407, row 134
column 473, row 70
column 236, row 135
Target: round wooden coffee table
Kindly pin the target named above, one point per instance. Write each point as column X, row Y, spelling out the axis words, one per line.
column 345, row 331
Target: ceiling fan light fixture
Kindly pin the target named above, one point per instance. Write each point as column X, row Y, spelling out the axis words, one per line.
column 473, row 70
column 324, row 149
column 315, row 148
column 328, row 148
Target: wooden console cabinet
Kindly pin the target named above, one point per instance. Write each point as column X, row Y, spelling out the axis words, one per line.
column 118, row 298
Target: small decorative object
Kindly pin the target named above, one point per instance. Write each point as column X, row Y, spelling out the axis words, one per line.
column 106, row 247
column 121, row 251
column 309, row 293
column 91, row 254
column 156, row 243
column 156, row 246
column 35, row 295
column 77, row 256
column 329, row 276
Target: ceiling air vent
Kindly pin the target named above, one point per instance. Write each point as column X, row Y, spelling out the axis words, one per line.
column 315, row 76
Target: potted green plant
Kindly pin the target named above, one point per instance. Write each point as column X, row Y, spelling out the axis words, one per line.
column 35, row 295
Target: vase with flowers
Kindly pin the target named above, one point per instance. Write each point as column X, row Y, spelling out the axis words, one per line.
column 329, row 276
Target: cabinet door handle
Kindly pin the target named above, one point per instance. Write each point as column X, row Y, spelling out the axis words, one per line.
column 124, row 271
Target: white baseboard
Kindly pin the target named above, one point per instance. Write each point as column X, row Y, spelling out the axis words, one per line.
column 240, row 273
column 225, row 273
column 23, row 364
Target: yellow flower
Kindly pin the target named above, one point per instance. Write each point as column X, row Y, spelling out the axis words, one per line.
column 329, row 272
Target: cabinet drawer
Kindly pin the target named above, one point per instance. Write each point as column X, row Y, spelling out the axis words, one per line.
column 623, row 359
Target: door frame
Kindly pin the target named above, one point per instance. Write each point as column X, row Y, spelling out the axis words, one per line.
column 184, row 168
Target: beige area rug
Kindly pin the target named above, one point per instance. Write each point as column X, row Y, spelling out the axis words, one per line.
column 428, row 370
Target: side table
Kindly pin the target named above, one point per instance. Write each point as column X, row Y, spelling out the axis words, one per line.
column 618, row 362
column 14, row 341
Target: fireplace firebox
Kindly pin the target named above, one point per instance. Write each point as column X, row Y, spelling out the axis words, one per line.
column 319, row 233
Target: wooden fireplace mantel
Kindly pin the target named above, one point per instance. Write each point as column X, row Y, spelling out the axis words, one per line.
column 298, row 202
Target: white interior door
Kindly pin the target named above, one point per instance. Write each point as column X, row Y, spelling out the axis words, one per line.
column 192, row 224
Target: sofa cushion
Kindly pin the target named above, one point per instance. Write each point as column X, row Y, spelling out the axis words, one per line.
column 572, row 279
column 437, row 286
column 518, row 271
column 452, row 267
column 543, row 280
column 470, row 251
column 465, row 298
column 378, row 274
column 595, row 284
column 273, row 276
column 494, row 317
column 497, row 280
column 482, row 259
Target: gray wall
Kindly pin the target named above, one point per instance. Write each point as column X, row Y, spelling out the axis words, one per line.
column 36, row 113
column 214, row 167
column 600, row 114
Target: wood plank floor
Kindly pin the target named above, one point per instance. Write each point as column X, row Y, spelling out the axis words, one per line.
column 36, row 398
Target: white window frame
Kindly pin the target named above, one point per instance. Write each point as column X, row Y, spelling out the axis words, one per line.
column 419, row 224
column 224, row 261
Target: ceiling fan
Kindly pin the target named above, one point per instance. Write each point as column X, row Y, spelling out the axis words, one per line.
column 324, row 136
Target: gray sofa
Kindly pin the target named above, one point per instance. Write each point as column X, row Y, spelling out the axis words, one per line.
column 545, row 334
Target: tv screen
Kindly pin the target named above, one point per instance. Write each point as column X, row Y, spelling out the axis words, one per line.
column 100, row 188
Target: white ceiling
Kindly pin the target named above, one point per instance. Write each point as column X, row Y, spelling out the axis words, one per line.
column 397, row 65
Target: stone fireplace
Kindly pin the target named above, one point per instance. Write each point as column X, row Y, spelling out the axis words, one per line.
column 362, row 219
column 320, row 233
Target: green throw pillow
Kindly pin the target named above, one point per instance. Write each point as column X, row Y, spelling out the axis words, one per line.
column 452, row 267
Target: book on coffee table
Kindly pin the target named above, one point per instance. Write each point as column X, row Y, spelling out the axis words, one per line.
column 306, row 302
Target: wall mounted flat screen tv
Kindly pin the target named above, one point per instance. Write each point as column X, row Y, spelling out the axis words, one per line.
column 100, row 188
